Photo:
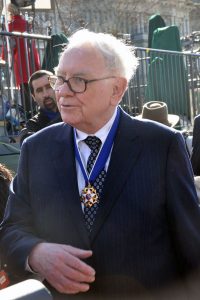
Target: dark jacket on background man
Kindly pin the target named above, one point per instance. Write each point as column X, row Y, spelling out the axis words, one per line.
column 39, row 121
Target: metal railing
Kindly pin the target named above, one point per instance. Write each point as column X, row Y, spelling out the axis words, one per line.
column 169, row 76
column 21, row 55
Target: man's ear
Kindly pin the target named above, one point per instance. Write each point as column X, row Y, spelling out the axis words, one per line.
column 119, row 88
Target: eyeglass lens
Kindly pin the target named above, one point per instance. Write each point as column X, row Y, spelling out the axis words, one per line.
column 75, row 84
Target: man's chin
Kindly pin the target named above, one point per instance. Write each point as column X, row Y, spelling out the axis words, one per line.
column 68, row 120
column 50, row 107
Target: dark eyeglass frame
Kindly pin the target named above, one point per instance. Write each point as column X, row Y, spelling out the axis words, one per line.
column 86, row 81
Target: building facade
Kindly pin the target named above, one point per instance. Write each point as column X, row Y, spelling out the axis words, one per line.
column 118, row 17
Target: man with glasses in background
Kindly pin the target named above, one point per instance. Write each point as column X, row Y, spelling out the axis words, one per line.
column 103, row 205
column 44, row 97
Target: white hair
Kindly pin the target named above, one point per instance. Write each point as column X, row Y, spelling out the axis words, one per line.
column 120, row 58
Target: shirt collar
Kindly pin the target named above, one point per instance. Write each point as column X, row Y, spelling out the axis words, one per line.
column 101, row 133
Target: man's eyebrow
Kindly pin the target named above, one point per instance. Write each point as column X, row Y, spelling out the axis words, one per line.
column 47, row 85
column 38, row 89
column 80, row 74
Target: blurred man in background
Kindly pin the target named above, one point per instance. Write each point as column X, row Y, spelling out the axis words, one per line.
column 44, row 97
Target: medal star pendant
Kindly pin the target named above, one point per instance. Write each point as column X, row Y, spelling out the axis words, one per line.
column 89, row 196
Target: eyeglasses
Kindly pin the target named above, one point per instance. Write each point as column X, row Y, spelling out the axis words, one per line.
column 75, row 84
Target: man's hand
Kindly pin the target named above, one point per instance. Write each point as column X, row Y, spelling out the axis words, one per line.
column 62, row 267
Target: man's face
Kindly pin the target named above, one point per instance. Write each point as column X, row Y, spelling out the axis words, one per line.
column 44, row 95
column 90, row 110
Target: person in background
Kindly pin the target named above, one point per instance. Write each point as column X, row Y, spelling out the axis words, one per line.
column 158, row 111
column 5, row 180
column 103, row 205
column 195, row 157
column 6, row 177
column 44, row 97
column 24, row 54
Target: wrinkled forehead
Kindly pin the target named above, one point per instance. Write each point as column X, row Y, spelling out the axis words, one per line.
column 83, row 59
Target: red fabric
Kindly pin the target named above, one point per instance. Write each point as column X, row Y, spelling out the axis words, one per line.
column 21, row 47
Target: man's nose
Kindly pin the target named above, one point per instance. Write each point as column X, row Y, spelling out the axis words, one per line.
column 46, row 93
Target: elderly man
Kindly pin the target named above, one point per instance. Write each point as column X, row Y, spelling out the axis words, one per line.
column 103, row 205
column 44, row 97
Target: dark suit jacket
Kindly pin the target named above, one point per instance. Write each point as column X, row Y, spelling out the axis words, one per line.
column 195, row 157
column 147, row 230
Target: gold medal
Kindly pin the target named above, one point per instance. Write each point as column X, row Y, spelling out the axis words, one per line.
column 89, row 196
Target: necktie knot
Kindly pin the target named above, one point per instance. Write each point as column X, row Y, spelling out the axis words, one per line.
column 93, row 142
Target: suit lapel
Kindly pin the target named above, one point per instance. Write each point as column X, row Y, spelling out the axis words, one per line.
column 126, row 150
column 65, row 168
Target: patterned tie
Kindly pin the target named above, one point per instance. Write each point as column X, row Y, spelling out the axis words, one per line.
column 90, row 212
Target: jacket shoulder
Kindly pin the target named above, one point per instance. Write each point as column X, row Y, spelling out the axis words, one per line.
column 54, row 131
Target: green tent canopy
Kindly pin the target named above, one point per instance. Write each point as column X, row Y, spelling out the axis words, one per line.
column 155, row 21
column 167, row 77
column 53, row 49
